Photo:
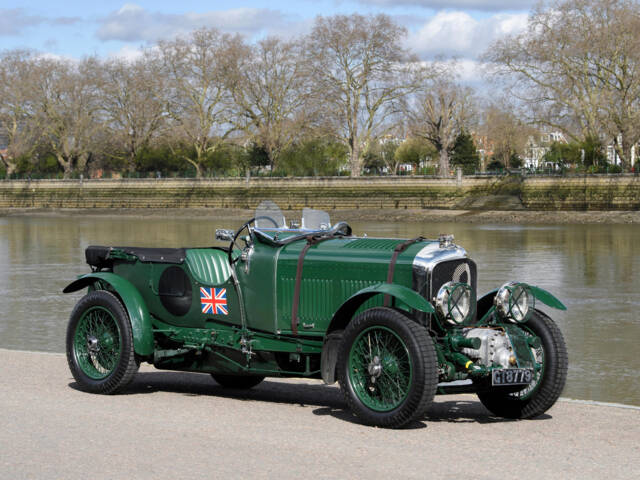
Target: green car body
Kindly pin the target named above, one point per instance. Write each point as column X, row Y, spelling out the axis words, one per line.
column 309, row 302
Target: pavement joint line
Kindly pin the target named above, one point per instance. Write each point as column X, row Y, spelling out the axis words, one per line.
column 599, row 404
column 39, row 352
column 562, row 399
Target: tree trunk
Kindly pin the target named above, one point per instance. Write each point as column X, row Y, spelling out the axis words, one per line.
column 9, row 166
column 131, row 163
column 355, row 161
column 65, row 164
column 443, row 163
column 623, row 149
column 83, row 159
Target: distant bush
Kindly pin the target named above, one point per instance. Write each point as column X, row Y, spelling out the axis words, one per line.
column 495, row 165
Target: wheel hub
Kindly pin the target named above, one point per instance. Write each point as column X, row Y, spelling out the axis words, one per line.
column 375, row 368
column 92, row 344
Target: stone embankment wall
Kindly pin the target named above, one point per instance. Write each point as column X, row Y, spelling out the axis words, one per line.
column 491, row 193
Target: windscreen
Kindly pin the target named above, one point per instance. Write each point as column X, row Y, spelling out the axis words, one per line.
column 315, row 219
column 269, row 215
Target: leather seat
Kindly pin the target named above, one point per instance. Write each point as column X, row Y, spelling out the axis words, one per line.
column 209, row 266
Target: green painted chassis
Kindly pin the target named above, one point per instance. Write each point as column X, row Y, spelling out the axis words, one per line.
column 229, row 346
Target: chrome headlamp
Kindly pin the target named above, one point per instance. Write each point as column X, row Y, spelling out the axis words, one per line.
column 514, row 302
column 454, row 302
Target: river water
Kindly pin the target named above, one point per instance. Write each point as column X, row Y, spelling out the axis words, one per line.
column 593, row 269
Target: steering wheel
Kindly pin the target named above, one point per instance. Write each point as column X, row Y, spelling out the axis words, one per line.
column 246, row 226
column 234, row 240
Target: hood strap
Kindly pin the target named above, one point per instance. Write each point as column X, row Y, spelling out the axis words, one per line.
column 311, row 240
column 401, row 247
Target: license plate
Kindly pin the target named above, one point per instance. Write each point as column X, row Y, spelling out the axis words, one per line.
column 512, row 376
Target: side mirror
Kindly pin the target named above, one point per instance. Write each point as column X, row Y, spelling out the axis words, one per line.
column 224, row 235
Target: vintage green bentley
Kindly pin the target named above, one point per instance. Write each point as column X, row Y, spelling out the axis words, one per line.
column 393, row 321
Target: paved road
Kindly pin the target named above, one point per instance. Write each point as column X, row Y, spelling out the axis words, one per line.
column 177, row 425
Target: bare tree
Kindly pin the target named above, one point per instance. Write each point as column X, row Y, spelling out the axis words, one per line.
column 505, row 130
column 577, row 67
column 362, row 73
column 18, row 123
column 132, row 97
column 439, row 113
column 271, row 90
column 67, row 102
column 200, row 103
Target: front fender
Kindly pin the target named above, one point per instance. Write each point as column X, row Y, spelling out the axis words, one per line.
column 413, row 299
column 133, row 303
column 486, row 301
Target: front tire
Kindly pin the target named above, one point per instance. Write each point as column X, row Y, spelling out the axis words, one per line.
column 100, row 344
column 549, row 382
column 387, row 368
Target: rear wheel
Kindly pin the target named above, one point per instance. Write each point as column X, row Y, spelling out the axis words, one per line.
column 387, row 368
column 100, row 344
column 548, row 381
column 237, row 381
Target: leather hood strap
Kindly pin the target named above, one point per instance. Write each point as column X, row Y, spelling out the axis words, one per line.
column 401, row 247
column 311, row 240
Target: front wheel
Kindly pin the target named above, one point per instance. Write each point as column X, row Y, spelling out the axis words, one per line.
column 548, row 382
column 100, row 344
column 387, row 368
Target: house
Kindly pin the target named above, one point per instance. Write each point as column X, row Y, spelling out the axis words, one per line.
column 538, row 145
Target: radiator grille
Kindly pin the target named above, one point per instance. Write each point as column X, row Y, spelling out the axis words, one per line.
column 460, row 270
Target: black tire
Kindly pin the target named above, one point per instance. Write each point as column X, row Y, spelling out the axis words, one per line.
column 90, row 372
column 536, row 399
column 241, row 382
column 415, row 350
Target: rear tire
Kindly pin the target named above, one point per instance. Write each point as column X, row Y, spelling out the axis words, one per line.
column 387, row 368
column 549, row 382
column 100, row 344
column 241, row 382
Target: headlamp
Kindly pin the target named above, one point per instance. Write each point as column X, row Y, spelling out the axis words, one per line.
column 514, row 302
column 454, row 302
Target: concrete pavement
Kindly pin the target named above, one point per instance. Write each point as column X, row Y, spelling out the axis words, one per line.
column 181, row 425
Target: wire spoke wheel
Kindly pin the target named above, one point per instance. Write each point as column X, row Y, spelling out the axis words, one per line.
column 380, row 369
column 549, row 377
column 538, row 374
column 100, row 344
column 387, row 368
column 96, row 343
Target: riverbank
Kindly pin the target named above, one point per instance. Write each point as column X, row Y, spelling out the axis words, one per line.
column 518, row 217
column 596, row 193
column 170, row 422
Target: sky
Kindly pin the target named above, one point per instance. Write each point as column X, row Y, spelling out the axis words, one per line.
column 459, row 28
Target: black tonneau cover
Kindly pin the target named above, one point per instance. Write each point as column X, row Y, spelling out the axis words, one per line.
column 99, row 256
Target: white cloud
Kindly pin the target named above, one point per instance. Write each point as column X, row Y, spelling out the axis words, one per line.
column 485, row 5
column 14, row 20
column 459, row 34
column 128, row 53
column 134, row 23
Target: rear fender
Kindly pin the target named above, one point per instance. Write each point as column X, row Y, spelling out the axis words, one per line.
column 132, row 301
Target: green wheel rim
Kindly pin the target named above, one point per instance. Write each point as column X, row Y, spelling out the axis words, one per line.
column 96, row 343
column 380, row 369
column 538, row 374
